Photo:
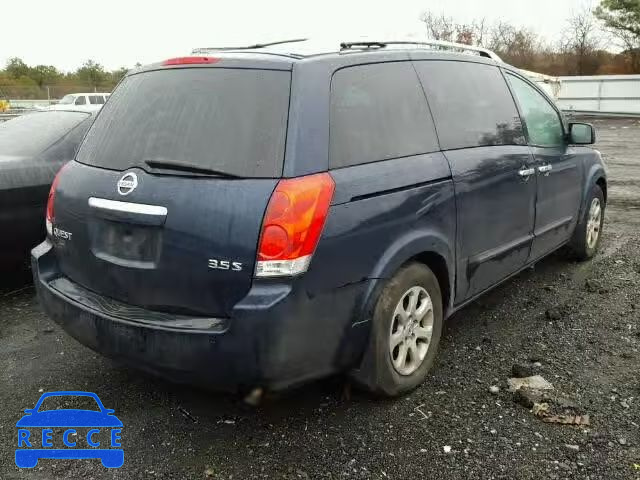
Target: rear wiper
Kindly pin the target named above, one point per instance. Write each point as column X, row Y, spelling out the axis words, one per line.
column 186, row 167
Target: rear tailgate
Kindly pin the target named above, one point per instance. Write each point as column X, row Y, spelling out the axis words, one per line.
column 161, row 261
column 200, row 151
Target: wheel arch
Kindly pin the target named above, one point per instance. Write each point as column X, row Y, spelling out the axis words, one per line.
column 602, row 183
column 596, row 175
column 430, row 248
column 438, row 265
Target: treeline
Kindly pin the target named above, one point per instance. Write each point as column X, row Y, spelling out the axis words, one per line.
column 602, row 41
column 21, row 81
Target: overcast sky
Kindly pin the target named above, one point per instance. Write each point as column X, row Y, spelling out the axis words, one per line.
column 120, row 33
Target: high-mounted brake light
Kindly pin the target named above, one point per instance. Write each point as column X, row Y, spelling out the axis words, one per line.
column 292, row 225
column 190, row 60
column 50, row 216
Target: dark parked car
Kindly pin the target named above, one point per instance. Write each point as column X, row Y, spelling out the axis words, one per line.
column 33, row 147
column 254, row 219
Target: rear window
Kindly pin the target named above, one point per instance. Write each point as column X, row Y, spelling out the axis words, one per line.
column 378, row 112
column 471, row 104
column 32, row 133
column 229, row 120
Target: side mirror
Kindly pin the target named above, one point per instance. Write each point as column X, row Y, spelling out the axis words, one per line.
column 28, row 410
column 109, row 411
column 582, row 134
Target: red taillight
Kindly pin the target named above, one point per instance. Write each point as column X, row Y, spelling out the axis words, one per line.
column 50, row 216
column 292, row 225
column 190, row 60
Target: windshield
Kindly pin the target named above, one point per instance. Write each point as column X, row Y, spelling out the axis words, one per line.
column 67, row 100
column 33, row 133
column 228, row 120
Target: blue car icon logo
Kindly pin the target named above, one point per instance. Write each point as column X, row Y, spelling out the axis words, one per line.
column 81, row 434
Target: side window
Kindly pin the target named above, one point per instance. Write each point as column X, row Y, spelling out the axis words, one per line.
column 471, row 104
column 543, row 122
column 100, row 100
column 81, row 100
column 94, row 99
column 378, row 112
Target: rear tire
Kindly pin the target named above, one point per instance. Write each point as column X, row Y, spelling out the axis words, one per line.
column 405, row 333
column 588, row 232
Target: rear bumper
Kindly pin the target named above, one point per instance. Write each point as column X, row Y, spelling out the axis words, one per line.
column 278, row 335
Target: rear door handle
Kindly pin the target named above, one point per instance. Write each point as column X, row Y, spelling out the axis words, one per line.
column 526, row 172
column 545, row 169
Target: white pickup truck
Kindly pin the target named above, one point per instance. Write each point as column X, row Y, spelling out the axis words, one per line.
column 84, row 102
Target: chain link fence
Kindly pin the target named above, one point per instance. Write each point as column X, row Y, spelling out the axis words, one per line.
column 16, row 100
column 47, row 94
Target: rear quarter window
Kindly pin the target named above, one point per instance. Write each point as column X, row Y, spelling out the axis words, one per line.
column 378, row 112
column 471, row 104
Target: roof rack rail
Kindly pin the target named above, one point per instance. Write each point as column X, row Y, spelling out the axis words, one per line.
column 483, row 52
column 248, row 47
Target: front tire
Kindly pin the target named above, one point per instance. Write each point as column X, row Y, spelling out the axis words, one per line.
column 588, row 233
column 405, row 333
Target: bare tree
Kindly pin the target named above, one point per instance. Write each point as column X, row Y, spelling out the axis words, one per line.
column 581, row 39
column 481, row 29
column 441, row 27
column 473, row 33
column 582, row 49
column 516, row 46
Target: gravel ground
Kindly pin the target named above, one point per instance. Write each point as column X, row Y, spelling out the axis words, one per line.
column 579, row 321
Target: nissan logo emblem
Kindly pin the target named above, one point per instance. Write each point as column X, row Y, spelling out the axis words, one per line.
column 127, row 183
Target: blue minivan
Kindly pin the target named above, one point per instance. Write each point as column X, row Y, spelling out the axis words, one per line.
column 257, row 219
